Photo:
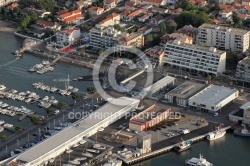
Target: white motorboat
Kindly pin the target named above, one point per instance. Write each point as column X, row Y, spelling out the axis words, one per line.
column 198, row 162
column 113, row 163
column 99, row 147
column 75, row 90
column 1, row 128
column 7, row 125
column 2, row 87
column 93, row 151
column 69, row 151
column 2, row 122
column 218, row 133
column 81, row 158
column 87, row 154
column 51, row 160
column 74, row 162
column 82, row 142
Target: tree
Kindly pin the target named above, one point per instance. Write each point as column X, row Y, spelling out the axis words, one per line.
column 236, row 20
column 3, row 137
column 33, row 16
column 16, row 10
column 231, row 59
column 62, row 104
column 50, row 110
column 88, row 15
column 149, row 38
column 118, row 27
column 100, row 52
column 171, row 27
column 35, row 119
column 24, row 22
column 186, row 5
column 194, row 17
column 76, row 96
column 19, row 128
column 91, row 89
column 209, row 77
column 163, row 28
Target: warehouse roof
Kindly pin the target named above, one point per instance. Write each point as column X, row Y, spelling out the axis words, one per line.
column 186, row 90
column 212, row 95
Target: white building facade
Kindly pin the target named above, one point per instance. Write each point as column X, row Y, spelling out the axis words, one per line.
column 213, row 98
column 194, row 58
column 225, row 38
column 243, row 69
column 67, row 36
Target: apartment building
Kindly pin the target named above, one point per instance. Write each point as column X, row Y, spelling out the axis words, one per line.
column 194, row 58
column 225, row 38
column 67, row 36
column 6, row 2
column 104, row 37
column 133, row 39
column 243, row 69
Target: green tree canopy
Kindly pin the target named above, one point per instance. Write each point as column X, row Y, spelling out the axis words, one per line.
column 193, row 17
column 186, row 5
column 88, row 15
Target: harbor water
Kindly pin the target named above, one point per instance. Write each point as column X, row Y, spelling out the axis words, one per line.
column 14, row 75
column 230, row 150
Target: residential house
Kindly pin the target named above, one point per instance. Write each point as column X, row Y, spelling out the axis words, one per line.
column 244, row 9
column 70, row 17
column 199, row 3
column 134, row 14
column 67, row 36
column 150, row 2
column 110, row 3
column 176, row 11
column 96, row 10
column 225, row 13
column 226, row 1
column 145, row 17
column 157, row 20
column 159, row 10
column 46, row 25
column 173, row 36
column 155, row 54
column 189, row 30
column 110, row 20
column 12, row 6
column 245, row 2
column 145, row 30
column 6, row 2
column 82, row 3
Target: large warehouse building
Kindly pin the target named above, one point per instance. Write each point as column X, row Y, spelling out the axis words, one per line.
column 183, row 92
column 57, row 144
column 148, row 118
column 213, row 98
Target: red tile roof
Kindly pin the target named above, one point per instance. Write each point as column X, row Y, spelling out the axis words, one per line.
column 109, row 17
column 45, row 23
column 69, row 31
column 95, row 8
column 70, row 16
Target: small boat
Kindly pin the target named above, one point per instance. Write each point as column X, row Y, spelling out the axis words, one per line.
column 69, row 151
column 218, row 133
column 82, row 142
column 81, row 158
column 113, row 162
column 89, row 155
column 75, row 145
column 51, row 160
column 7, row 125
column 2, row 87
column 74, row 162
column 243, row 132
column 13, row 91
column 1, row 128
column 198, row 162
column 182, row 146
column 75, row 90
column 2, row 122
column 93, row 151
column 99, row 147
